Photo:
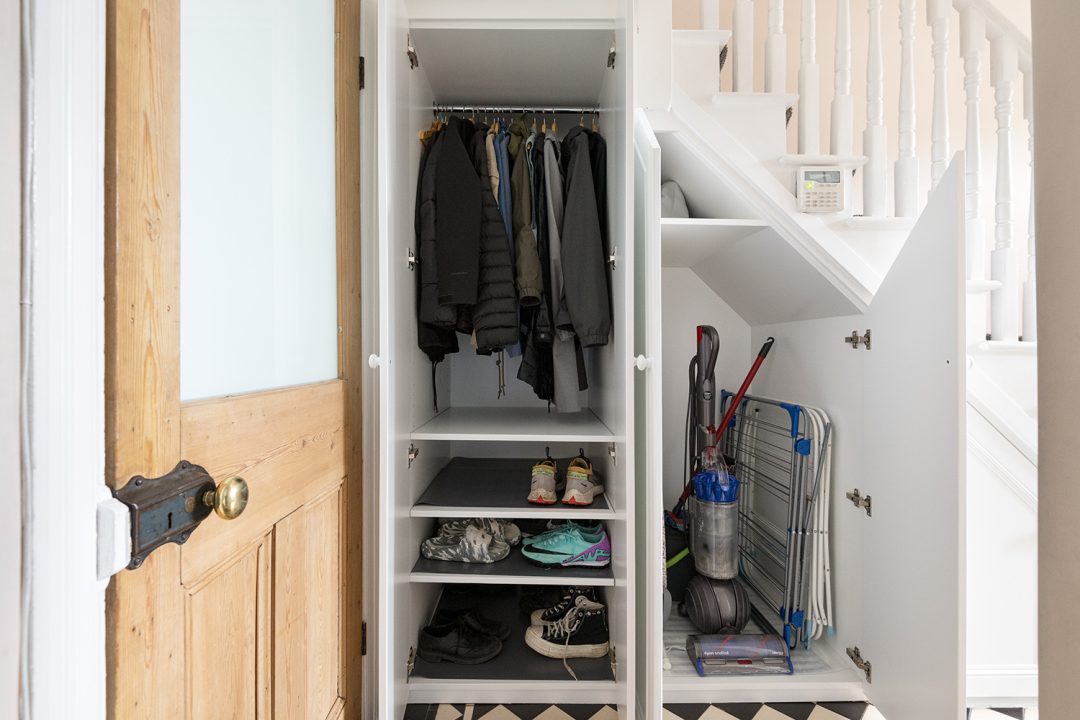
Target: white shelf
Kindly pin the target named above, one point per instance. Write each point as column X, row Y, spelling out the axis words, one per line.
column 686, row 241
column 819, row 673
column 515, row 424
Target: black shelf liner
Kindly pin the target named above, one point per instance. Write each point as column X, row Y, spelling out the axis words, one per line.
column 517, row 661
column 492, row 482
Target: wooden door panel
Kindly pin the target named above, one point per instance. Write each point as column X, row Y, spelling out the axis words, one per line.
column 228, row 639
column 307, row 611
column 288, row 444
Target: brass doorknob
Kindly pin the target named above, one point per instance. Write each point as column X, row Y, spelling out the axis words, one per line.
column 229, row 498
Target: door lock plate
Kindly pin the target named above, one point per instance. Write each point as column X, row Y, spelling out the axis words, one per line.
column 165, row 509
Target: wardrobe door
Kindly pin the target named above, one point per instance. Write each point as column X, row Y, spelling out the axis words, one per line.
column 648, row 413
column 913, row 470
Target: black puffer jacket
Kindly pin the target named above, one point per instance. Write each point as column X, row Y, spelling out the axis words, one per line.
column 431, row 311
column 495, row 315
column 437, row 341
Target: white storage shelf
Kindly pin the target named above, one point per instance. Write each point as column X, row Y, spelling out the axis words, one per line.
column 686, row 241
column 515, row 424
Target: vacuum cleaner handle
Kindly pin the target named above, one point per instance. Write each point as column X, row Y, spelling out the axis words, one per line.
column 731, row 410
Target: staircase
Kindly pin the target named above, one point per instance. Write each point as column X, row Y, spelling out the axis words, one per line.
column 733, row 135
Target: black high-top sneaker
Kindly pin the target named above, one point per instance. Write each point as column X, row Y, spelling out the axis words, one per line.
column 581, row 633
column 548, row 615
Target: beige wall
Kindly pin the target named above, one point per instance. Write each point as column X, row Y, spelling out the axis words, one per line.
column 1055, row 25
column 10, row 202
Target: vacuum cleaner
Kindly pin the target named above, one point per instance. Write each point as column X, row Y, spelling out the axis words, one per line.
column 714, row 599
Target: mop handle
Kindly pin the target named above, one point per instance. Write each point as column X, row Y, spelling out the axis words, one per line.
column 719, row 432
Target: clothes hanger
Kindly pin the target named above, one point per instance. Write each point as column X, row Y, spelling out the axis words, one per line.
column 596, row 121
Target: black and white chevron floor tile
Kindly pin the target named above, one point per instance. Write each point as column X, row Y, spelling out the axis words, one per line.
column 732, row 711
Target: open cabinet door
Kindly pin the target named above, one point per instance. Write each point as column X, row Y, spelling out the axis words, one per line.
column 648, row 399
column 232, row 316
column 913, row 568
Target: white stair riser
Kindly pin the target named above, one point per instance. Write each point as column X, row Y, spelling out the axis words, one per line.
column 697, row 65
column 761, row 129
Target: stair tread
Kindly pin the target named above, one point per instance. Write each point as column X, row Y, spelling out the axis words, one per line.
column 823, row 159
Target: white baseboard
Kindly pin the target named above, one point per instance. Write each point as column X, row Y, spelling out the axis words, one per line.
column 1002, row 686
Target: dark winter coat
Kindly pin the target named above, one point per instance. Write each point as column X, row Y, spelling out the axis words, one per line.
column 457, row 217
column 584, row 266
column 494, row 317
column 430, row 310
column 434, row 340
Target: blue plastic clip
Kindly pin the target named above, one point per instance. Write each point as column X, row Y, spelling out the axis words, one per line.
column 793, row 411
column 802, row 446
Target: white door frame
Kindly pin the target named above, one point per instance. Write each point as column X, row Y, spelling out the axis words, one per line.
column 64, row 131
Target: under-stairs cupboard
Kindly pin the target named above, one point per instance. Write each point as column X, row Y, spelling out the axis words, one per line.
column 895, row 404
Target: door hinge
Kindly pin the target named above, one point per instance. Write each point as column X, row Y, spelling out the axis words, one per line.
column 413, row 453
column 411, row 260
column 860, row 501
column 414, row 61
column 613, row 453
column 611, row 56
column 856, row 657
column 855, row 340
column 410, row 664
column 361, row 70
column 614, row 661
column 613, row 257
column 363, row 638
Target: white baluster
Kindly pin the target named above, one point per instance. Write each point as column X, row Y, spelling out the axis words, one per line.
column 1003, row 311
column 906, row 180
column 842, row 127
column 937, row 17
column 742, row 46
column 776, row 50
column 972, row 38
column 1031, row 331
column 710, row 14
column 875, row 136
column 809, row 82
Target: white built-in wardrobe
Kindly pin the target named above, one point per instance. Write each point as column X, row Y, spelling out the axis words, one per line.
column 898, row 573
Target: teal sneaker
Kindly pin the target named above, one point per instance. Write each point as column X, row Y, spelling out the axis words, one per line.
column 562, row 528
column 572, row 548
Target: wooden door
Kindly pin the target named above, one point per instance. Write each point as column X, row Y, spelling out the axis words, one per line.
column 260, row 616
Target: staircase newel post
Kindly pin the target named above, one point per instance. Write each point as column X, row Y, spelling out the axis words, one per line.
column 809, row 82
column 972, row 39
column 776, row 50
column 842, row 126
column 1031, row 331
column 906, row 180
column 742, row 46
column 875, row 136
column 1004, row 319
column 937, row 17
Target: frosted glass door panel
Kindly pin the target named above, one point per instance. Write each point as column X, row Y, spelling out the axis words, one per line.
column 258, row 280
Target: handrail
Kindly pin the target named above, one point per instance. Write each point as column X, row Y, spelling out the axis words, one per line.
column 997, row 24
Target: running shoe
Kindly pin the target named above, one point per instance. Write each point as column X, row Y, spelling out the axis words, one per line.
column 574, row 548
column 546, row 616
column 545, row 483
column 457, row 643
column 472, row 619
column 499, row 529
column 558, row 527
column 582, row 484
column 581, row 633
column 474, row 546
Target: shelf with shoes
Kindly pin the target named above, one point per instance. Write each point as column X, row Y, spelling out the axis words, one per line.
column 496, row 488
column 515, row 661
column 515, row 569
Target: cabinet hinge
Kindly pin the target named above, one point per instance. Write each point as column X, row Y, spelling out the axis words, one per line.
column 613, row 257
column 413, row 453
column 856, row 657
column 611, row 55
column 855, row 340
column 361, row 72
column 860, row 501
column 414, row 61
column 411, row 260
column 614, row 661
column 613, row 453
column 363, row 638
column 411, row 662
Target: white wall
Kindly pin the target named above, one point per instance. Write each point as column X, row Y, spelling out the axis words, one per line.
column 1057, row 103
column 10, row 229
